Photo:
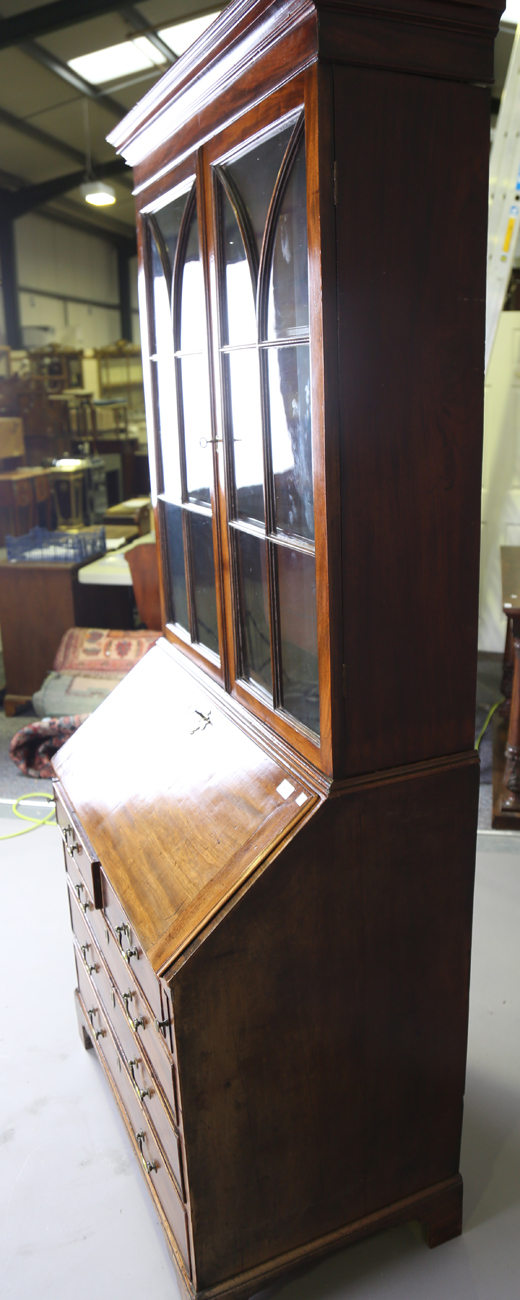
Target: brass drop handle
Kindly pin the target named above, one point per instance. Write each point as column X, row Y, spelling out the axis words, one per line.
column 69, row 833
column 84, row 906
column 98, row 1033
column 141, row 1092
column 89, row 969
column 138, row 1023
column 128, row 953
column 207, row 442
column 149, row 1165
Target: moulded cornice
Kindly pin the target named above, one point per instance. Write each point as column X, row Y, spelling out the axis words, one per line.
column 446, row 38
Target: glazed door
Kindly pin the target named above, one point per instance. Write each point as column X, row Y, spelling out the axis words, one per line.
column 235, row 299
column 185, row 434
column 261, row 256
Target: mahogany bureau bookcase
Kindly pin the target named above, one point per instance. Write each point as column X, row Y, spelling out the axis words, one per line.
column 270, row 825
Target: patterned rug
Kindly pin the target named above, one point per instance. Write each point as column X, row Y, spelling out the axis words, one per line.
column 33, row 748
column 93, row 649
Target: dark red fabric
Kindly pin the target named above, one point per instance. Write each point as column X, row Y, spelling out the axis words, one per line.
column 33, row 748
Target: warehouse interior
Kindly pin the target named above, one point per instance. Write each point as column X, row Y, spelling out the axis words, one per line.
column 74, row 461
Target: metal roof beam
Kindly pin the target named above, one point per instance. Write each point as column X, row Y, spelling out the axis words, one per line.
column 52, row 17
column 41, row 137
column 140, row 25
column 61, row 69
column 17, row 203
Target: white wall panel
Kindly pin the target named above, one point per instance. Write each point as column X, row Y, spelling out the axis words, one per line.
column 57, row 257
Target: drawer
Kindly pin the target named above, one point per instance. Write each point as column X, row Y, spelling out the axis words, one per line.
column 126, row 1009
column 131, row 952
column 80, row 890
column 77, row 846
column 154, row 1165
column 145, row 1087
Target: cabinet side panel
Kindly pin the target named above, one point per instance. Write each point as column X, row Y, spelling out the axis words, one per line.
column 321, row 1027
column 412, row 176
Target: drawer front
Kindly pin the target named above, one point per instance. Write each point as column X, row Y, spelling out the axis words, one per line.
column 145, row 1087
column 126, row 1009
column 132, row 954
column 79, row 889
column 154, row 1165
column 78, row 849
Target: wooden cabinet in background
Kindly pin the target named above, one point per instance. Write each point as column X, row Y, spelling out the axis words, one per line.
column 38, row 604
column 278, row 806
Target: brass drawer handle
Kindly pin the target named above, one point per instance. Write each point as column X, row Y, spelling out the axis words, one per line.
column 149, row 1165
column 141, row 1092
column 71, row 844
column 89, row 969
column 98, row 1033
column 162, row 1024
column 84, row 906
column 127, row 953
column 138, row 1023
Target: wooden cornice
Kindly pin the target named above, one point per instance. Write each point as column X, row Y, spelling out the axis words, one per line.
column 443, row 38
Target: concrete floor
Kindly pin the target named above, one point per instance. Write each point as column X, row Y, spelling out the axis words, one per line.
column 75, row 1219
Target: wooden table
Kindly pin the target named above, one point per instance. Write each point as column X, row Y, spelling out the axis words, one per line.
column 38, row 603
column 506, row 721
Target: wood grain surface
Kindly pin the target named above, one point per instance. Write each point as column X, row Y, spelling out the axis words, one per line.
column 321, row 1026
column 181, row 809
column 411, row 291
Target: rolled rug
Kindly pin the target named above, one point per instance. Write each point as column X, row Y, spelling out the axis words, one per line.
column 33, row 747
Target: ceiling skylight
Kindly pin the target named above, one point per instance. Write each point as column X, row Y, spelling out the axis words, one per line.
column 180, row 37
column 117, row 61
column 137, row 55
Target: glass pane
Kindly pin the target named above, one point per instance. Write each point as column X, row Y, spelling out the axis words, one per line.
column 203, row 567
column 197, row 427
column 241, row 318
column 288, row 309
column 163, row 345
column 172, row 517
column 254, row 609
column 169, row 220
column 299, row 636
column 193, row 306
column 244, row 381
column 254, row 175
column 291, row 441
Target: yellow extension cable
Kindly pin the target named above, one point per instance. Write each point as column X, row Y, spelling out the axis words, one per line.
column 36, row 821
column 488, row 720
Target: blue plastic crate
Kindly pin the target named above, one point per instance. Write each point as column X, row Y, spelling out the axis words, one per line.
column 70, row 548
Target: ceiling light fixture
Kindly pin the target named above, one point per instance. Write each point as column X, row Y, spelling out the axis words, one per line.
column 98, row 193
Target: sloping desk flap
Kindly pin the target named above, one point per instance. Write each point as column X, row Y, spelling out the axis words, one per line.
column 180, row 805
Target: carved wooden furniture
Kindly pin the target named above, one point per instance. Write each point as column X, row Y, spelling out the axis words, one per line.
column 270, row 825
column 121, row 373
column 12, row 446
column 25, row 500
